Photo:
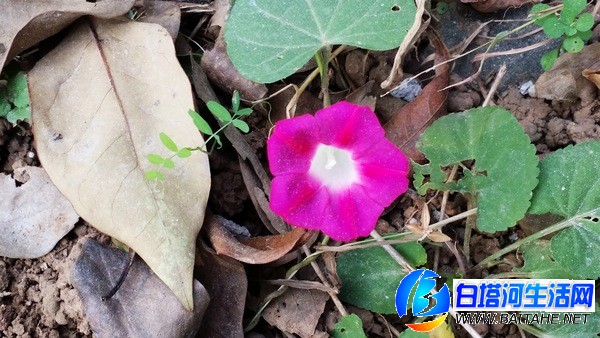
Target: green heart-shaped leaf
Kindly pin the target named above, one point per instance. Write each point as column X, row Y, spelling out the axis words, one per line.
column 505, row 169
column 570, row 187
column 268, row 40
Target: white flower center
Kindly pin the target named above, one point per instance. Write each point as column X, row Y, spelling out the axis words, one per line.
column 333, row 166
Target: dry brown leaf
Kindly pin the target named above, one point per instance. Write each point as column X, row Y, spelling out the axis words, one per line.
column 99, row 101
column 254, row 250
column 489, row 6
column 164, row 13
column 142, row 307
column 407, row 125
column 226, row 282
column 25, row 23
column 297, row 311
column 592, row 75
column 565, row 82
column 34, row 216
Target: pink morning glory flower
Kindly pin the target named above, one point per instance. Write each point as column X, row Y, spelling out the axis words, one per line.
column 334, row 171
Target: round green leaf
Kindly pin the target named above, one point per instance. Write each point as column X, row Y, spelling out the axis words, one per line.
column 553, row 27
column 268, row 40
column 241, row 125
column 571, row 8
column 573, row 44
column 548, row 59
column 570, row 31
column 585, row 22
column 570, row 187
column 349, row 326
column 168, row 142
column 370, row 276
column 585, row 35
column 505, row 169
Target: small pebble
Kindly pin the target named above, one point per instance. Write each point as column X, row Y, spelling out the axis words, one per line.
column 407, row 90
column 527, row 88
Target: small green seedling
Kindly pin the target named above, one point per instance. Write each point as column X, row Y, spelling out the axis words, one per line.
column 571, row 25
column 221, row 113
column 14, row 99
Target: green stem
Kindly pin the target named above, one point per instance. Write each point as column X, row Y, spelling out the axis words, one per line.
column 549, row 230
column 322, row 58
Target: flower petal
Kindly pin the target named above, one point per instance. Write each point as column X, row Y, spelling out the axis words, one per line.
column 350, row 214
column 348, row 126
column 299, row 199
column 292, row 145
column 383, row 171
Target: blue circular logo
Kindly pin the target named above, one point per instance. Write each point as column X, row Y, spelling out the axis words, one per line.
column 425, row 302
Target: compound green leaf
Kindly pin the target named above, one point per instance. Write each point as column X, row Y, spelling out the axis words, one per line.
column 349, row 326
column 570, row 187
column 168, row 142
column 168, row 163
column 219, row 111
column 155, row 159
column 244, row 111
column 184, row 152
column 370, row 276
column 539, row 262
column 268, row 40
column 200, row 123
column 241, row 125
column 504, row 173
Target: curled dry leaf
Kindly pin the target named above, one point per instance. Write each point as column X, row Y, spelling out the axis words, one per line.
column 565, row 82
column 254, row 250
column 142, row 307
column 25, row 23
column 405, row 127
column 489, row 6
column 226, row 282
column 297, row 311
column 34, row 216
column 98, row 105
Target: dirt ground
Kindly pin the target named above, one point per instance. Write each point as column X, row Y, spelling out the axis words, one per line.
column 38, row 300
